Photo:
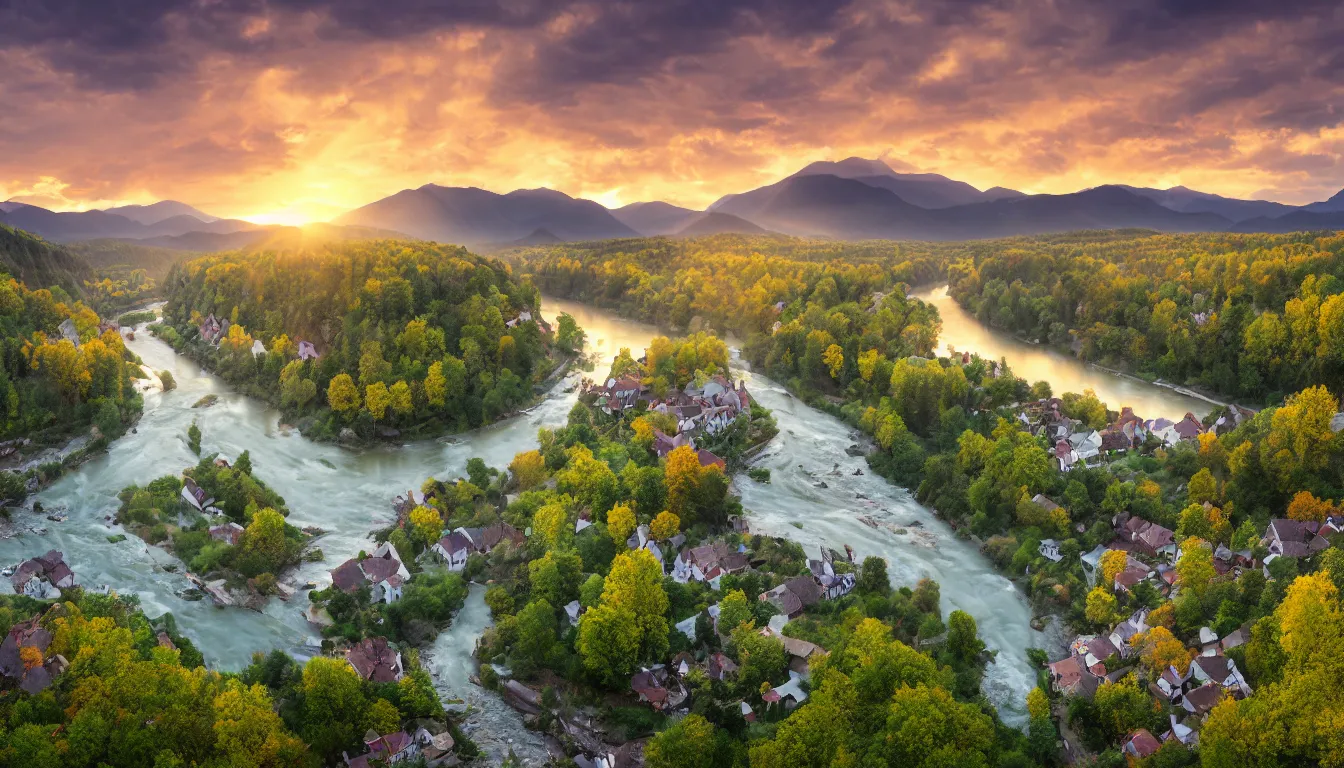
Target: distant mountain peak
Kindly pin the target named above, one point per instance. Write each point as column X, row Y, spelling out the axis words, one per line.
column 163, row 210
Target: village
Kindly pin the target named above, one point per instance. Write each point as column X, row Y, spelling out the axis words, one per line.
column 1139, row 566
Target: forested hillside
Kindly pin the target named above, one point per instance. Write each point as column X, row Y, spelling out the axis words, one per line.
column 62, row 368
column 374, row 336
column 1255, row 316
column 40, row 264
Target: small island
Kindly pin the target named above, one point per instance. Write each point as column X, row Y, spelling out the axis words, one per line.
column 225, row 525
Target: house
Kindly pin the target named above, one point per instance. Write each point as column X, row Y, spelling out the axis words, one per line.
column 747, row 713
column 1164, row 430
column 258, row 348
column 213, row 329
column 1222, row 671
column 1181, row 732
column 1065, row 455
column 1125, row 631
column 1049, row 549
column 619, row 394
column 29, row 634
column 375, row 660
column 69, row 332
column 43, row 577
column 793, row 596
column 657, row 688
column 1085, row 444
column 1294, row 538
column 1141, row 744
column 789, row 695
column 720, row 667
column 800, row 652
column 1172, row 684
column 453, row 549
column 1126, row 580
column 708, row 459
column 386, row 750
column 307, row 351
column 708, row 562
column 1131, row 426
column 486, row 539
column 1148, row 538
column 1200, row 701
column 1070, row 677
column 229, row 533
column 195, row 495
column 573, row 610
column 383, row 571
column 1237, row 637
column 1189, row 428
column 663, row 445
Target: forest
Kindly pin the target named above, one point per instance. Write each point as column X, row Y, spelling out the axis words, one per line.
column 380, row 338
column 1256, row 317
column 63, row 369
column 957, row 431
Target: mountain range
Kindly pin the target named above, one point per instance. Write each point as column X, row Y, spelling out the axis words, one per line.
column 854, row 198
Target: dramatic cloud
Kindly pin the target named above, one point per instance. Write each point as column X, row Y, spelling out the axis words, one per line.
column 300, row 109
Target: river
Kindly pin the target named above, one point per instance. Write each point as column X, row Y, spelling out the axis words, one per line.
column 348, row 493
column 1035, row 362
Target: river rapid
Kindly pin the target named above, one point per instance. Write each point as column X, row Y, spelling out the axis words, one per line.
column 348, row 493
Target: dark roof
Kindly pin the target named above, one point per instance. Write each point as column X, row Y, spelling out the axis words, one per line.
column 374, row 659
column 347, row 576
column 497, row 533
column 1216, row 667
column 1142, row 743
column 805, row 587
column 25, row 634
column 1203, row 698
column 379, row 568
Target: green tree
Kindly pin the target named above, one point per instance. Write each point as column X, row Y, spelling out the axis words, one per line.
column 194, row 438
column 734, row 610
column 873, row 577
column 688, row 743
column 334, row 706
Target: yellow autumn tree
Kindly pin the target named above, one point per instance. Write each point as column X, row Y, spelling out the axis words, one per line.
column 426, row 525
column 342, row 395
column 834, row 357
column 621, row 524
column 528, row 469
column 552, row 524
column 868, row 364
column 376, row 400
column 1113, row 561
column 400, row 394
column 1194, row 571
column 682, row 475
column 436, row 385
column 1101, row 606
column 665, row 526
column 1161, row 649
column 1305, row 506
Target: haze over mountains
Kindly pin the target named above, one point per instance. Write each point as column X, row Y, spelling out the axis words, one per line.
column 854, row 198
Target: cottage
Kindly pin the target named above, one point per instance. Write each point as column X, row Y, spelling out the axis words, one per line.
column 213, row 329
column 29, row 634
column 663, row 445
column 708, row 563
column 229, row 533
column 655, row 687
column 1200, row 701
column 1222, row 671
column 793, row 596
column 386, row 750
column 453, row 549
column 375, row 660
column 1141, row 744
column 1189, row 428
column 195, row 495
column 1237, row 637
column 573, row 610
column 720, row 667
column 1086, row 444
column 1049, row 549
column 382, row 571
column 43, row 577
column 1294, row 538
column 708, row 459
column 307, row 351
column 1126, row 630
column 1070, row 677
column 789, row 695
column 1148, row 538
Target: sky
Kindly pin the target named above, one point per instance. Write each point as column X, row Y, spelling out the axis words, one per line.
column 286, row 111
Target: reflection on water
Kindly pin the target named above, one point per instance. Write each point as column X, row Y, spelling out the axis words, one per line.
column 1064, row 372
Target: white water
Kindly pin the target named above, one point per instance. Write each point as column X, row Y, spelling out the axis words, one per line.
column 348, row 493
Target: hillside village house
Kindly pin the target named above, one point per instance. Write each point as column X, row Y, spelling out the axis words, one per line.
column 30, row 635
column 43, row 577
column 455, row 547
column 382, row 571
column 375, row 660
